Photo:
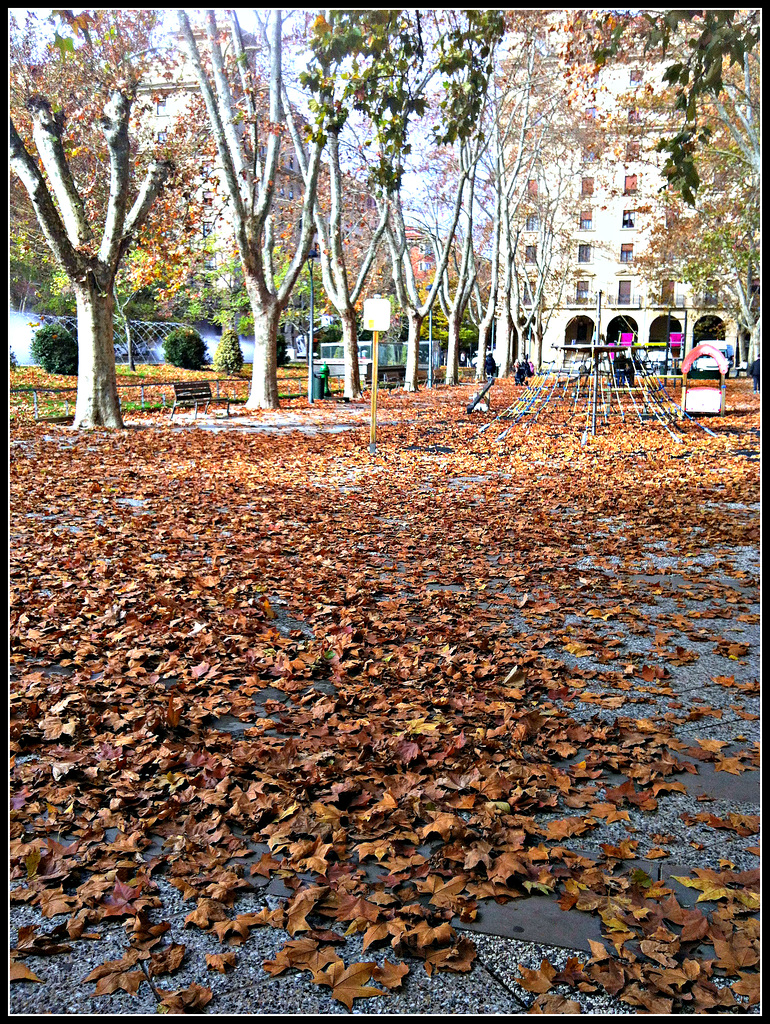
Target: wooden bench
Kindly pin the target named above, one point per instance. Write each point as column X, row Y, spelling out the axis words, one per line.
column 387, row 376
column 193, row 393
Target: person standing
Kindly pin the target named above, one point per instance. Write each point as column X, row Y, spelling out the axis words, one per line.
column 490, row 366
column 754, row 371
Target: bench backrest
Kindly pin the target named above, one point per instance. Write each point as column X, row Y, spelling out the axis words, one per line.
column 194, row 389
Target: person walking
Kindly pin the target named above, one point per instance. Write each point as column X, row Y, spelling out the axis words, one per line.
column 490, row 366
column 754, row 371
column 521, row 372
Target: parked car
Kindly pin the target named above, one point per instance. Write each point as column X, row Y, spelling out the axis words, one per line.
column 707, row 362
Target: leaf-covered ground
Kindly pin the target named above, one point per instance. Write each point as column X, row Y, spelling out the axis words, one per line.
column 364, row 702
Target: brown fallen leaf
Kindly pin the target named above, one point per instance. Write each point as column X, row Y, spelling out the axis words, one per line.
column 19, row 972
column 185, row 1000
column 539, row 980
column 349, row 983
column 220, row 961
column 390, row 975
column 555, row 1004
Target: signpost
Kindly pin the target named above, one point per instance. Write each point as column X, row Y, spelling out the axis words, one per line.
column 376, row 319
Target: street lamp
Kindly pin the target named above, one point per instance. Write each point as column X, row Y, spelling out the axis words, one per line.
column 313, row 254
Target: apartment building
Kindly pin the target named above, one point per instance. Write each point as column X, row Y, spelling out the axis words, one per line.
column 613, row 204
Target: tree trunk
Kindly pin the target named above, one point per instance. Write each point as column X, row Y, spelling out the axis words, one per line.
column 485, row 331
column 537, row 355
column 130, row 346
column 97, row 401
column 264, row 376
column 504, row 331
column 453, row 350
column 350, row 343
column 412, row 350
column 754, row 343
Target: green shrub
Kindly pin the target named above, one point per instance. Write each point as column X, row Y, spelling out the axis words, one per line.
column 184, row 347
column 13, row 361
column 228, row 357
column 56, row 350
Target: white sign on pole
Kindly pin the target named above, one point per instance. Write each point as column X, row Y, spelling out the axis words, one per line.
column 376, row 314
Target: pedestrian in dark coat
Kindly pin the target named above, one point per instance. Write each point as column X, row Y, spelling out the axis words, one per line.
column 490, row 366
column 754, row 371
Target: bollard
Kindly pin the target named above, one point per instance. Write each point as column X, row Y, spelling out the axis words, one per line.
column 141, row 395
column 34, row 402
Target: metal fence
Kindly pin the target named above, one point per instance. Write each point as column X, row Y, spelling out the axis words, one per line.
column 147, row 337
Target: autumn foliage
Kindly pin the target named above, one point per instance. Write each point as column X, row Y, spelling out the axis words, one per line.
column 241, row 657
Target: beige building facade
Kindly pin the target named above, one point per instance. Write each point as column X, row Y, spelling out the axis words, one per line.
column 615, row 201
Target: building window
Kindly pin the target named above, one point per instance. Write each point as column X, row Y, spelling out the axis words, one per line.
column 630, row 185
column 162, row 135
column 533, row 222
column 160, row 106
column 208, row 228
column 530, row 254
column 636, row 76
column 629, row 218
column 211, row 263
column 632, row 151
column 634, row 117
column 283, row 193
column 586, row 220
column 627, row 253
column 584, row 253
column 591, row 112
column 624, row 293
column 588, row 186
column 581, row 291
column 532, row 187
column 667, row 293
column 291, row 193
column 589, row 156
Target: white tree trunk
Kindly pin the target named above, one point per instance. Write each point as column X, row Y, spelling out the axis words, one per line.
column 350, row 345
column 413, row 350
column 264, row 378
column 97, row 400
column 485, row 330
column 453, row 349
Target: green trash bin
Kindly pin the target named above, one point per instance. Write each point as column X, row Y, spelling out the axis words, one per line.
column 319, row 383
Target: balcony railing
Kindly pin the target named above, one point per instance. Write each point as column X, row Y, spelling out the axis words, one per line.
column 618, row 299
column 668, row 300
column 583, row 299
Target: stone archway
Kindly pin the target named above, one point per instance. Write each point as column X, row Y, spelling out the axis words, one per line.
column 579, row 331
column 621, row 325
column 708, row 328
column 658, row 329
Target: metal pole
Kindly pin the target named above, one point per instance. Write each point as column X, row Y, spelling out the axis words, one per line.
column 596, row 360
column 373, row 427
column 310, row 341
column 430, row 348
column 668, row 342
